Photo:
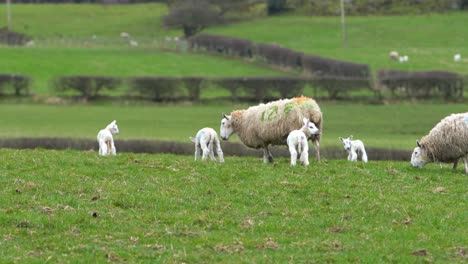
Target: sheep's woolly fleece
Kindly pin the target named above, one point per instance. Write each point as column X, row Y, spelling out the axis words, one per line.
column 448, row 140
column 271, row 123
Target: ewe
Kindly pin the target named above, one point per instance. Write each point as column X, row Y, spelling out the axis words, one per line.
column 446, row 142
column 394, row 55
column 354, row 147
column 265, row 124
column 106, row 140
column 298, row 144
column 205, row 140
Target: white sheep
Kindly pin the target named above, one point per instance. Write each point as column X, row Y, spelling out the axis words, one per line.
column 259, row 126
column 457, row 57
column 133, row 43
column 124, row 35
column 393, row 55
column 298, row 142
column 106, row 140
column 354, row 147
column 205, row 140
column 403, row 59
column 446, row 142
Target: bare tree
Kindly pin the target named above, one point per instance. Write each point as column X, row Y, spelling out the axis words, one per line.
column 192, row 16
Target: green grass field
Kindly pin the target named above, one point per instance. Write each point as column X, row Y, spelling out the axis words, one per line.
column 389, row 126
column 69, row 206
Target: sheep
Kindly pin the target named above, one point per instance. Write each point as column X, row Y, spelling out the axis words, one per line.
column 354, row 147
column 403, row 59
column 259, row 126
column 457, row 57
column 106, row 140
column 297, row 142
column 124, row 35
column 133, row 43
column 394, row 55
column 446, row 142
column 205, row 140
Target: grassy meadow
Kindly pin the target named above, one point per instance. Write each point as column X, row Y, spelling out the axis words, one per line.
column 388, row 126
column 69, row 206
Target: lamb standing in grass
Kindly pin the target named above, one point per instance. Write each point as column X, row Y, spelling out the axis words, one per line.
column 298, row 144
column 354, row 147
column 265, row 124
column 446, row 142
column 106, row 140
column 205, row 140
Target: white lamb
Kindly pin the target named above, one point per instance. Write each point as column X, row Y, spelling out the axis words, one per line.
column 106, row 140
column 298, row 142
column 205, row 140
column 354, row 147
column 457, row 57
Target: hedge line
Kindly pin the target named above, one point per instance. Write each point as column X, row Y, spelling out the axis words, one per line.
column 401, row 84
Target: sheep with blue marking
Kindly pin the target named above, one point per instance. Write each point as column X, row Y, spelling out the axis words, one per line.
column 446, row 142
column 268, row 124
column 205, row 140
column 298, row 142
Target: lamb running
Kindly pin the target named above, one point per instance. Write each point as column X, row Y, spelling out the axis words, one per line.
column 106, row 140
column 259, row 126
column 354, row 147
column 298, row 144
column 205, row 140
column 446, row 142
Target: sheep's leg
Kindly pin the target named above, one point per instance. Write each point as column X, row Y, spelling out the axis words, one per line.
column 206, row 151
column 364, row 155
column 465, row 160
column 267, row 157
column 317, row 149
column 349, row 155
column 219, row 151
column 102, row 148
column 292, row 150
column 455, row 164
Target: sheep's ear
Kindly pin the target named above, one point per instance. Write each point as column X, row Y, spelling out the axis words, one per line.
column 350, row 137
column 113, row 122
column 419, row 144
column 225, row 116
column 305, row 121
column 341, row 139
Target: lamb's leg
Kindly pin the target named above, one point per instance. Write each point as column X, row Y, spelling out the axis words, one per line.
column 353, row 155
column 465, row 160
column 267, row 157
column 364, row 155
column 455, row 164
column 206, row 151
column 349, row 155
column 305, row 155
column 210, row 147
column 197, row 150
column 102, row 148
column 292, row 150
column 113, row 151
column 219, row 150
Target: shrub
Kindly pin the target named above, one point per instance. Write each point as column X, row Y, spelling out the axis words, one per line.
column 19, row 84
column 324, row 67
column 221, row 44
column 422, row 84
column 277, row 55
column 87, row 86
column 336, row 86
column 12, row 38
column 157, row 88
column 193, row 87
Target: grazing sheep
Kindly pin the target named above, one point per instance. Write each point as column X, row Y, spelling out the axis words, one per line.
column 403, row 59
column 354, row 147
column 457, row 57
column 205, row 140
column 298, row 144
column 133, row 43
column 106, row 140
column 124, row 35
column 446, row 142
column 265, row 124
column 394, row 55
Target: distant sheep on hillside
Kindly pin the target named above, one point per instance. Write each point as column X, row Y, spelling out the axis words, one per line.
column 270, row 124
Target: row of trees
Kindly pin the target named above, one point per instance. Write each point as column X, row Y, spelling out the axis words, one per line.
column 400, row 84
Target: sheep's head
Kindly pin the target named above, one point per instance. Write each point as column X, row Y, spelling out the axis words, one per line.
column 312, row 129
column 419, row 156
column 226, row 128
column 346, row 142
column 113, row 128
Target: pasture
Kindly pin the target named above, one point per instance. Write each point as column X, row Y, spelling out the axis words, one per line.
column 388, row 126
column 64, row 206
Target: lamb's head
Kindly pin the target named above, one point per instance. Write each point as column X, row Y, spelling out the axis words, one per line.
column 226, row 129
column 310, row 127
column 419, row 157
column 346, row 142
column 113, row 128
